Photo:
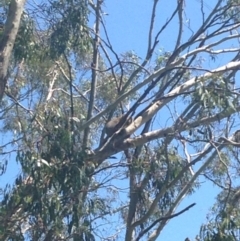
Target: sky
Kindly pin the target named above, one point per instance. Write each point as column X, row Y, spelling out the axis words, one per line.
column 127, row 23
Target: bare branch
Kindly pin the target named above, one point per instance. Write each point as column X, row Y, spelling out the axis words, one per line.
column 164, row 218
column 94, row 70
column 157, row 105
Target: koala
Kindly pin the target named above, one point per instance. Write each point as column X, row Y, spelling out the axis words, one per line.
column 117, row 123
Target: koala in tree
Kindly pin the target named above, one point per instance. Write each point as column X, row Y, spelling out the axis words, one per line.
column 116, row 123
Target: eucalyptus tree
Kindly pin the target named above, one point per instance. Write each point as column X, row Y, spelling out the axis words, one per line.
column 223, row 219
column 110, row 144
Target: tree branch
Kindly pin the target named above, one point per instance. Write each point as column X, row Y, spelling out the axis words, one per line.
column 94, row 71
column 167, row 217
column 8, row 39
